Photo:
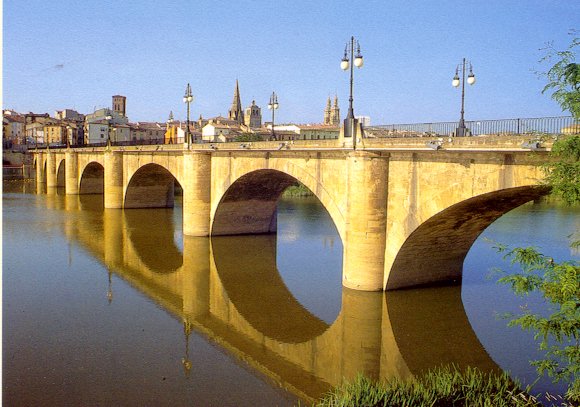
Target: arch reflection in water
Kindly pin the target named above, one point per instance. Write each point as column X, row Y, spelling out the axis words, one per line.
column 230, row 292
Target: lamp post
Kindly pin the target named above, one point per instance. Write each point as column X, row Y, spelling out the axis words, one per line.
column 170, row 127
column 68, row 134
column 108, row 117
column 188, row 98
column 461, row 130
column 350, row 121
column 273, row 105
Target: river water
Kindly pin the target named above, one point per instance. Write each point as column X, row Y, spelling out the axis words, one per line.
column 109, row 307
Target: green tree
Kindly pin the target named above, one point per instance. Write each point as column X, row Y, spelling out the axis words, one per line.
column 563, row 171
column 564, row 76
column 557, row 283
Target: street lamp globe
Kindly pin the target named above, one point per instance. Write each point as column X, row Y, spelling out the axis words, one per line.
column 455, row 81
column 344, row 64
column 471, row 78
column 358, row 59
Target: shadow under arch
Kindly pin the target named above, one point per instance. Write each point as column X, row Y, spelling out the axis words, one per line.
column 61, row 174
column 92, row 179
column 246, row 266
column 151, row 233
column 249, row 204
column 151, row 186
column 431, row 329
column 435, row 251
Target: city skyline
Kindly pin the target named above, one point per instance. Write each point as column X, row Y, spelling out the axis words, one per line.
column 77, row 55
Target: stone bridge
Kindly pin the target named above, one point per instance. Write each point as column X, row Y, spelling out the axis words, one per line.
column 407, row 214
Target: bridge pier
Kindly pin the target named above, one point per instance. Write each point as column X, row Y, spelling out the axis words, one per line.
column 51, row 179
column 39, row 168
column 113, row 180
column 196, row 193
column 71, row 173
column 365, row 229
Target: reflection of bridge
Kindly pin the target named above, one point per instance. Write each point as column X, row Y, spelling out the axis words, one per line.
column 219, row 290
column 391, row 203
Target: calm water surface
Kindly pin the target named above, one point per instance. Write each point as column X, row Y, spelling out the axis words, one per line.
column 108, row 307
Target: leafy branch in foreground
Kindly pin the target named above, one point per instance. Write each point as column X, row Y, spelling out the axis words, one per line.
column 563, row 173
column 559, row 332
column 564, row 76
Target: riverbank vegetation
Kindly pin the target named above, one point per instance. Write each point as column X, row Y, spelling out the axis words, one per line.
column 445, row 386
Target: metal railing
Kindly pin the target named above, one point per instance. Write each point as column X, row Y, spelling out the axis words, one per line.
column 550, row 125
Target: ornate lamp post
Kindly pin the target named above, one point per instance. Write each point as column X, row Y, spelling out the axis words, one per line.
column 170, row 128
column 273, row 105
column 69, row 133
column 188, row 98
column 461, row 130
column 350, row 121
column 108, row 117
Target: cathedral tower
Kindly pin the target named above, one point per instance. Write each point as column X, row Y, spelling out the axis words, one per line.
column 332, row 114
column 327, row 112
column 335, row 113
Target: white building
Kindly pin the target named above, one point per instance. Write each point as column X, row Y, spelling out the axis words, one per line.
column 365, row 121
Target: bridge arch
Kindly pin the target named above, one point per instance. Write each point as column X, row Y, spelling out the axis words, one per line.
column 248, row 205
column 150, row 186
column 92, row 179
column 61, row 173
column 434, row 251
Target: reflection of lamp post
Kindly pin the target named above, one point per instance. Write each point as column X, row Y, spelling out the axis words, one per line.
column 461, row 130
column 188, row 98
column 185, row 361
column 110, row 287
column 350, row 122
column 273, row 105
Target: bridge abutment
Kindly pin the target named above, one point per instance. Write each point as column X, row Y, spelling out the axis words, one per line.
column 365, row 229
column 196, row 193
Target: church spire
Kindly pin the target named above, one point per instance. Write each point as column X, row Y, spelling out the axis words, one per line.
column 236, row 109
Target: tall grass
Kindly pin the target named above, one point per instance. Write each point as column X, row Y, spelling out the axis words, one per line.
column 445, row 386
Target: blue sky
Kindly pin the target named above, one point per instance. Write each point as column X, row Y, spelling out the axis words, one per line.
column 77, row 54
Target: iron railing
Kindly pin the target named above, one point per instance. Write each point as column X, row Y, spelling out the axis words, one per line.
column 550, row 125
